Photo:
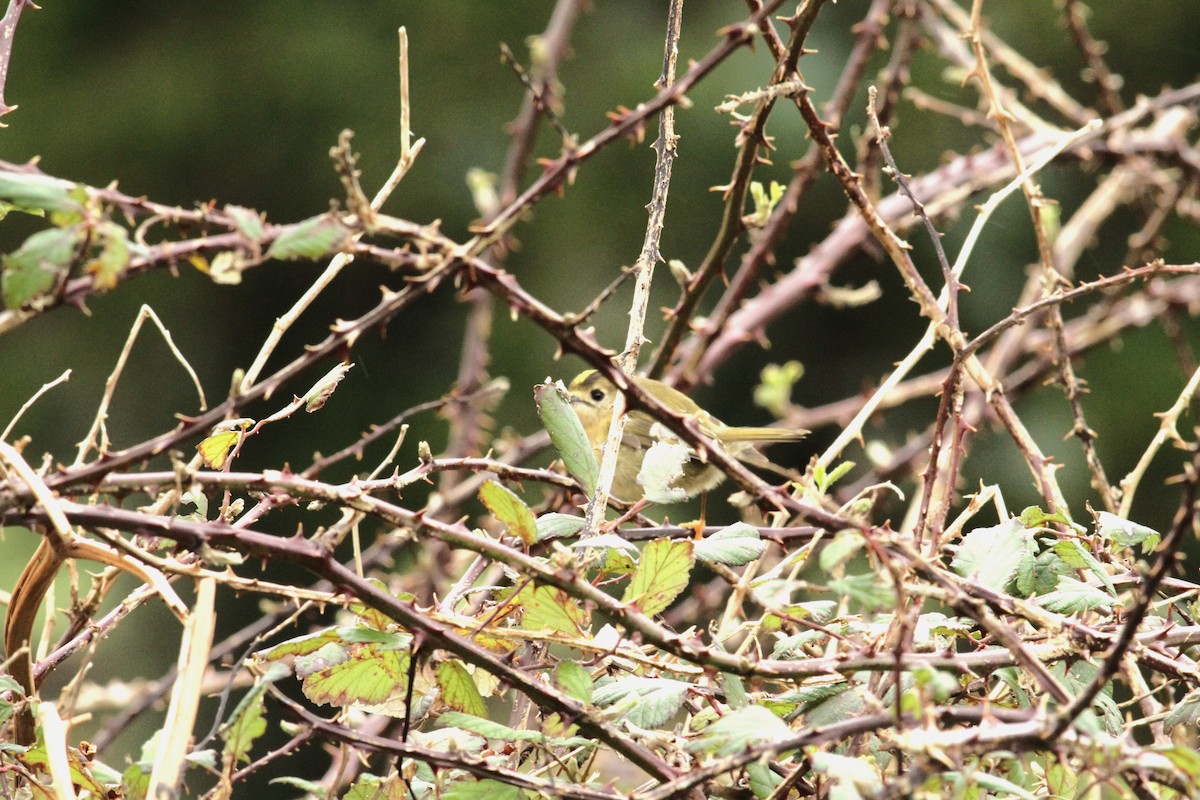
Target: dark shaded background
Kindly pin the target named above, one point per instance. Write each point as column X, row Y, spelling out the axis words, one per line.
column 239, row 102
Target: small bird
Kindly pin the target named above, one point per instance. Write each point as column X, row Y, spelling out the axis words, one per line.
column 592, row 397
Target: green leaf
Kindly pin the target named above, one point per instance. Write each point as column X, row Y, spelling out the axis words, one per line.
column 567, row 434
column 458, row 689
column 844, row 546
column 247, row 722
column 608, row 541
column 311, row 787
column 872, row 592
column 774, row 392
column 554, row 525
column 547, row 608
column 1126, row 533
column 825, row 479
column 619, row 554
column 39, row 265
column 1072, row 596
column 763, row 780
column 495, row 730
column 301, row 645
column 574, row 680
column 248, row 222
column 1186, row 712
column 311, row 238
column 1040, row 574
column 1185, row 759
column 1034, row 517
column 662, row 465
column 510, row 510
column 487, row 728
column 644, row 702
column 33, row 193
column 467, row 789
column 661, row 575
column 373, row 787
column 735, row 690
column 764, row 202
column 734, row 546
column 1076, row 556
column 996, row 784
column 738, row 730
column 135, row 781
column 992, row 555
column 835, row 702
column 360, row 674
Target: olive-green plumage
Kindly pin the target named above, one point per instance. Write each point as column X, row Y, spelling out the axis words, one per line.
column 592, row 397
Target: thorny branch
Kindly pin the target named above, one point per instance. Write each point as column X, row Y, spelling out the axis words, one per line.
column 1049, row 611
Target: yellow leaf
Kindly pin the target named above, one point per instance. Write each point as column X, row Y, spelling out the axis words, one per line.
column 661, row 575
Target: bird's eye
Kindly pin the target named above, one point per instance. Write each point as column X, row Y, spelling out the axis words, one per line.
column 597, row 395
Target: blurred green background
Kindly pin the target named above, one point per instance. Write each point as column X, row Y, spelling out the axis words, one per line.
column 236, row 102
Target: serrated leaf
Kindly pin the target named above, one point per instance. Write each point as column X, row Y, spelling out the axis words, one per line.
column 574, row 680
column 1072, row 596
column 1077, row 557
column 214, row 450
column 826, row 705
column 301, row 645
column 646, row 702
column 1126, row 533
column 738, row 544
column 458, row 689
column 736, row 731
column 567, row 434
column 992, row 555
column 662, row 465
column 547, row 608
column 661, row 574
column 39, row 265
column 1040, row 574
column 311, row 238
column 554, row 525
column 510, row 510
column 359, row 674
